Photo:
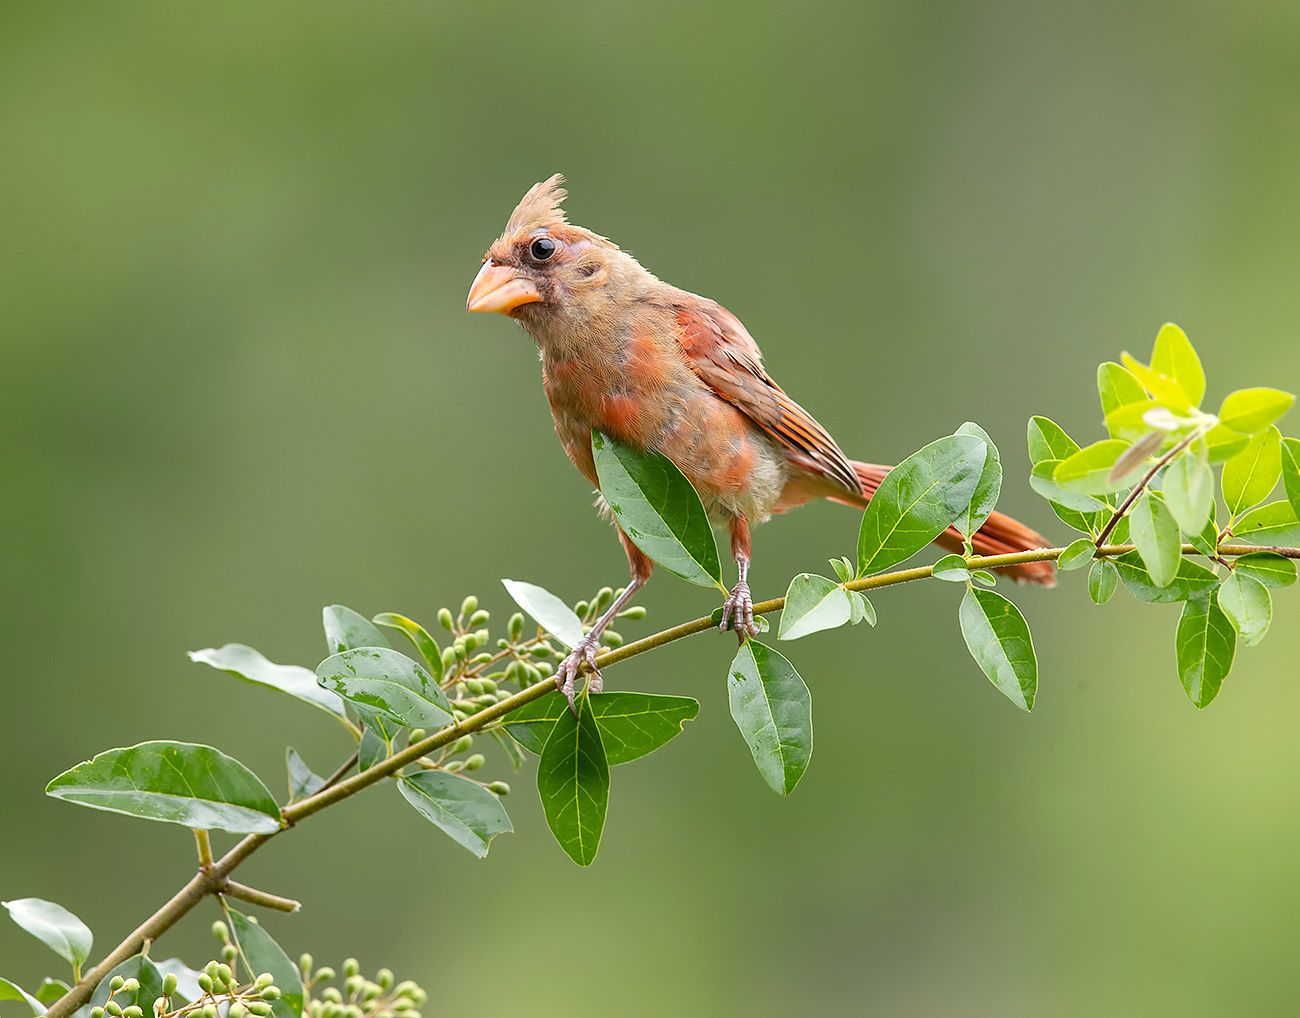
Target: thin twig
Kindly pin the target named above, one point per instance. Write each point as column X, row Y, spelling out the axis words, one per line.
column 1140, row 487
column 203, row 843
column 254, row 896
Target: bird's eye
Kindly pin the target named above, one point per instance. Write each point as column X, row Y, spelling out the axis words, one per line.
column 542, row 248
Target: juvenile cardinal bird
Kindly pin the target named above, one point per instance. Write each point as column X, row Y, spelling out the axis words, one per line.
column 660, row 368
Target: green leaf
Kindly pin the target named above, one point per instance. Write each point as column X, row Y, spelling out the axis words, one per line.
column 657, row 509
column 373, row 747
column 137, row 967
column 1088, row 471
column 389, row 683
column 1250, row 411
column 172, row 782
column 1161, row 386
column 547, row 610
column 51, row 991
column 997, row 637
column 419, row 636
column 631, row 724
column 1205, row 644
column 9, row 990
column 861, row 609
column 346, row 630
column 1117, row 387
column 1158, row 539
column 1042, row 480
column 987, row 488
column 1274, row 525
column 1049, row 444
column 1103, row 578
column 1253, row 473
column 263, row 954
column 462, row 809
column 1076, row 555
column 813, row 603
column 1188, row 486
column 772, row 708
column 247, row 664
column 54, row 926
column 573, row 783
column 1192, row 580
column 1207, row 541
column 1248, row 605
column 843, row 568
column 1291, row 472
column 918, row 500
column 1175, row 357
column 1221, row 444
column 1130, row 422
column 303, row 781
column 984, row 578
column 951, row 569
column 1269, row 569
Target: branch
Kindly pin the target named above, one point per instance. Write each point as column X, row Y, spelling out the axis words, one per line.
column 1141, row 486
column 216, row 878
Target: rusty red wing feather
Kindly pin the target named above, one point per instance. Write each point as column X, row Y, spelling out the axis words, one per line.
column 722, row 352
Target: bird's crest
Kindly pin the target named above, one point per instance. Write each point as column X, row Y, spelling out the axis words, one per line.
column 540, row 206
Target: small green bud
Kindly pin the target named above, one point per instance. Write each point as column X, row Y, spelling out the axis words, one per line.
column 515, row 627
column 324, row 975
column 459, row 715
column 113, row 1008
column 169, row 984
column 205, row 982
column 534, row 674
column 115, row 984
column 482, row 659
column 637, row 611
column 270, row 993
column 384, row 977
column 545, row 670
column 132, row 985
column 331, row 993
column 469, row 706
column 405, row 988
column 353, row 985
column 462, row 744
column 449, row 659
column 581, row 608
column 469, row 606
column 454, row 766
column 371, row 991
column 260, row 1008
column 479, row 618
column 263, row 981
column 542, row 651
column 461, row 647
column 209, row 1011
column 213, row 969
column 612, row 638
column 486, row 700
column 489, row 686
column 237, row 1010
column 228, row 953
column 417, row 735
column 503, row 643
column 133, row 1011
column 305, row 962
column 220, row 932
column 474, row 686
column 96, row 1012
column 353, row 1011
column 481, row 637
column 604, row 597
column 475, row 762
column 227, row 976
column 350, row 966
column 500, row 787
column 445, row 620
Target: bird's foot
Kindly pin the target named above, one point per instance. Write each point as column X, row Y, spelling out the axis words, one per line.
column 582, row 658
column 738, row 611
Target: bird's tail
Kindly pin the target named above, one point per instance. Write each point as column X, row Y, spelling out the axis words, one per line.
column 1000, row 535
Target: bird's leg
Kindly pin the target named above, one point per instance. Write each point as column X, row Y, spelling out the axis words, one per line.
column 583, row 656
column 738, row 609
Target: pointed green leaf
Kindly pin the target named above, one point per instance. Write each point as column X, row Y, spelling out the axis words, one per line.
column 1043, row 480
column 573, row 783
column 1271, row 570
column 1205, row 644
column 1076, row 555
column 861, row 609
column 813, row 603
column 1248, row 605
column 51, row 990
column 1271, row 525
column 1158, row 539
column 247, row 664
column 1221, row 444
column 772, row 708
column 918, row 500
column 657, row 509
column 547, row 610
column 1188, row 486
column 843, row 568
column 997, row 637
column 1088, row 471
column 1192, row 580
column 1291, row 472
column 1117, row 387
column 172, row 782
column 987, row 488
column 419, row 636
column 1174, row 357
column 303, row 781
column 54, row 926
column 1253, row 473
column 388, row 683
column 1161, row 386
column 1048, row 445
column 9, row 990
column 951, row 568
column 631, row 724
column 462, row 809
column 1103, row 578
column 347, row 630
column 1250, row 411
column 375, row 746
column 262, row 954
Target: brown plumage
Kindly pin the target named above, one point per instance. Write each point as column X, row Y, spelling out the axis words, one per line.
column 661, row 368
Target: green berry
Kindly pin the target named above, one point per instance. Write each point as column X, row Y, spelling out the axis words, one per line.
column 228, row 953
column 169, row 984
column 637, row 611
column 545, row 670
column 603, row 599
column 324, row 975
column 489, row 686
column 113, row 1008
column 454, row 766
column 259, row 1008
column 209, row 1011
column 115, row 984
column 205, row 982
column 227, row 976
column 474, row 686
column 134, row 1011
column 542, row 651
column 479, row 618
column 445, row 620
column 131, row 986
column 220, row 932
column 96, row 1012
column 237, row 1010
column 461, row 745
column 612, row 638
column 469, row 606
column 271, row 993
column 305, row 962
column 500, row 787
column 581, row 608
column 515, row 627
column 384, row 977
column 263, row 981
column 475, row 762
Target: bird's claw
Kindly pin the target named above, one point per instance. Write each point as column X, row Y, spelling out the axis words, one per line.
column 581, row 658
column 738, row 611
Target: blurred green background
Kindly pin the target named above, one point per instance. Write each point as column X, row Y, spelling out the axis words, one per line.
column 239, row 384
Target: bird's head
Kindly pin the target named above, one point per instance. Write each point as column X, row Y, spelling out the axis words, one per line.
column 543, row 269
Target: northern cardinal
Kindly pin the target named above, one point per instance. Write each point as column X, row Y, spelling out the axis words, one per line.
column 657, row 367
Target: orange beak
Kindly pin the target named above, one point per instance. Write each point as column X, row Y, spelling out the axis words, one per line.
column 497, row 288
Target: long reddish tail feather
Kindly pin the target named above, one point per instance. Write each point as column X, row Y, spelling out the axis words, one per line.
column 1000, row 535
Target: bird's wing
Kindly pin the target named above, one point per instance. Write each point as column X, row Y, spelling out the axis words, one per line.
column 724, row 355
